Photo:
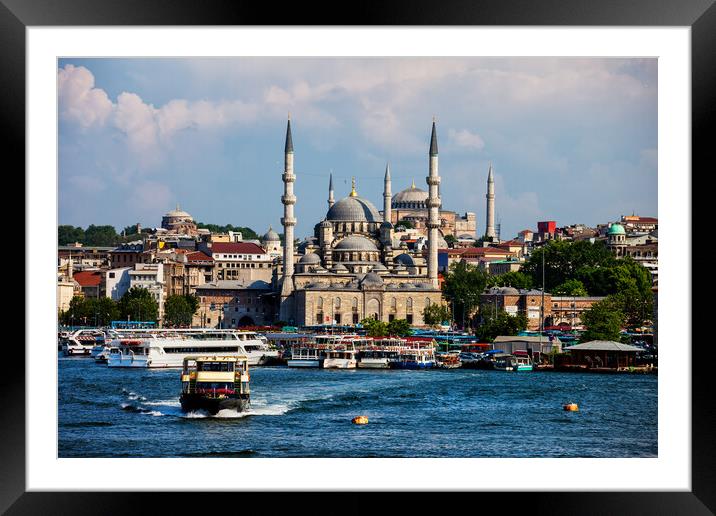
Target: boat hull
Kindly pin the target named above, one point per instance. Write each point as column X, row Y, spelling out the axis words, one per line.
column 374, row 364
column 303, row 363
column 340, row 363
column 194, row 402
column 412, row 365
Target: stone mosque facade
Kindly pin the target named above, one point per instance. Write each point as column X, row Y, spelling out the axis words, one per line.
column 358, row 268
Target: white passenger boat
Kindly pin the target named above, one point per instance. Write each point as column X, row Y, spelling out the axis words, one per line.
column 169, row 348
column 82, row 342
column 380, row 353
column 313, row 353
column 261, row 352
column 341, row 358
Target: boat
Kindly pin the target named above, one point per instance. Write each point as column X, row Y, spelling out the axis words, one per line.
column 414, row 357
column 448, row 360
column 213, row 383
column 168, row 348
column 261, row 353
column 470, row 360
column 380, row 354
column 341, row 357
column 82, row 342
column 312, row 353
column 507, row 362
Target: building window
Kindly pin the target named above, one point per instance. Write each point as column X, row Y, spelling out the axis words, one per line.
column 409, row 318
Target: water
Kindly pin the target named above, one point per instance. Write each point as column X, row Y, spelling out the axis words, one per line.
column 307, row 413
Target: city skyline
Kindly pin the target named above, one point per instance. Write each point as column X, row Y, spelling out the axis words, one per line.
column 147, row 134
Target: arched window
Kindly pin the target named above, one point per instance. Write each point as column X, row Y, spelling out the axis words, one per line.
column 427, row 302
column 320, row 303
column 338, row 303
column 394, row 304
column 409, row 304
column 355, row 304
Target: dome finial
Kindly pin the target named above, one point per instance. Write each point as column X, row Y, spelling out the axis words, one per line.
column 353, row 188
column 413, row 185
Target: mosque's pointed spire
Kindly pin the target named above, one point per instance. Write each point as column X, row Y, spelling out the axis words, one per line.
column 289, row 140
column 353, row 189
column 434, row 141
column 489, row 174
column 387, row 171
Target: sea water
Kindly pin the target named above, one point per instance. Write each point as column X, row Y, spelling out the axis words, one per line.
column 108, row 412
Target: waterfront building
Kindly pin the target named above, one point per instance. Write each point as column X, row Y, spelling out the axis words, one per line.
column 84, row 257
column 150, row 276
column 235, row 303
column 478, row 256
column 239, row 261
column 91, row 283
column 356, row 267
column 569, row 309
column 525, row 301
column 603, row 354
column 542, row 345
column 129, row 254
column 117, row 282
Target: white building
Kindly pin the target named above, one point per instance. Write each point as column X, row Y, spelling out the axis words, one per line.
column 151, row 277
column 117, row 282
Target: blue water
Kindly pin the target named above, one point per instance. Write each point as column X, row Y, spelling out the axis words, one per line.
column 307, row 413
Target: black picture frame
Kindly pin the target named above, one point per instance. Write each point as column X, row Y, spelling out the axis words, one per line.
column 700, row 15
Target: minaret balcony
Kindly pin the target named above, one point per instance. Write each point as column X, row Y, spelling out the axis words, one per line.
column 433, row 180
column 433, row 202
column 288, row 221
column 288, row 178
column 288, row 199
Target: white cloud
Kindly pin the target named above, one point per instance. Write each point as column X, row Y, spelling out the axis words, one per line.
column 79, row 100
column 464, row 138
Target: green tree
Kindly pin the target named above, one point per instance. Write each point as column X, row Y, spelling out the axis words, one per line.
column 246, row 232
column 100, row 236
column 399, row 328
column 495, row 321
column 105, row 310
column 514, row 279
column 130, row 230
column 69, row 235
column 406, row 224
column 451, row 240
column 435, row 314
column 603, row 321
column 462, row 287
column 571, row 287
column 193, row 301
column 374, row 327
column 138, row 304
column 177, row 311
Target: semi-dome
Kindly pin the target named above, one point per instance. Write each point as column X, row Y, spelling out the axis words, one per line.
column 371, row 279
column 271, row 236
column 339, row 268
column 310, row 258
column 616, row 229
column 356, row 243
column 509, row 291
column 354, row 209
column 412, row 197
column 404, row 259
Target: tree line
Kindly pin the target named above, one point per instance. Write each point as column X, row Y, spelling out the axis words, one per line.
column 137, row 304
column 107, row 236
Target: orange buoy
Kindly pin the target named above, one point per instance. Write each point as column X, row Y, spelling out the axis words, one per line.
column 571, row 407
column 360, row 420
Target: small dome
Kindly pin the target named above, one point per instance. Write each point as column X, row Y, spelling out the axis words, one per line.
column 271, row 236
column 372, row 279
column 356, row 243
column 379, row 267
column 616, row 229
column 404, row 259
column 177, row 213
column 509, row 291
column 310, row 258
column 339, row 267
column 354, row 209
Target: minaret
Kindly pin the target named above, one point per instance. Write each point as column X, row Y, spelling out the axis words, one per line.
column 331, row 201
column 387, row 215
column 288, row 221
column 433, row 203
column 490, row 218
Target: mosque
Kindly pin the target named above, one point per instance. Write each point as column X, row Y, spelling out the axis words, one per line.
column 357, row 267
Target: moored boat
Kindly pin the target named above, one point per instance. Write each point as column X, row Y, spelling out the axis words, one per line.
column 214, row 383
column 448, row 360
column 414, row 358
column 341, row 358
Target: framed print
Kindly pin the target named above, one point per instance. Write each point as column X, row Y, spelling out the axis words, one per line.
column 222, row 347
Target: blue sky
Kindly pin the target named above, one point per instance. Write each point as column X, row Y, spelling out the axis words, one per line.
column 571, row 140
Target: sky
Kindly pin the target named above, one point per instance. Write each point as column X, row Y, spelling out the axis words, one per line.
column 570, row 139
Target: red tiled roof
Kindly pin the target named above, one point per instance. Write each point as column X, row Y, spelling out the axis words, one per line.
column 236, row 248
column 88, row 278
column 198, row 256
column 476, row 250
column 512, row 243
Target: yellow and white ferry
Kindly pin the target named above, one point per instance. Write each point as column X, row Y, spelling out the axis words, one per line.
column 214, row 383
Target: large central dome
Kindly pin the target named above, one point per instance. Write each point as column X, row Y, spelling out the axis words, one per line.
column 412, row 197
column 354, row 209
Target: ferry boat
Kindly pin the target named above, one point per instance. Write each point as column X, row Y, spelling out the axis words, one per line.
column 82, row 342
column 168, row 348
column 341, row 358
column 312, row 353
column 380, row 353
column 214, row 383
column 414, row 358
